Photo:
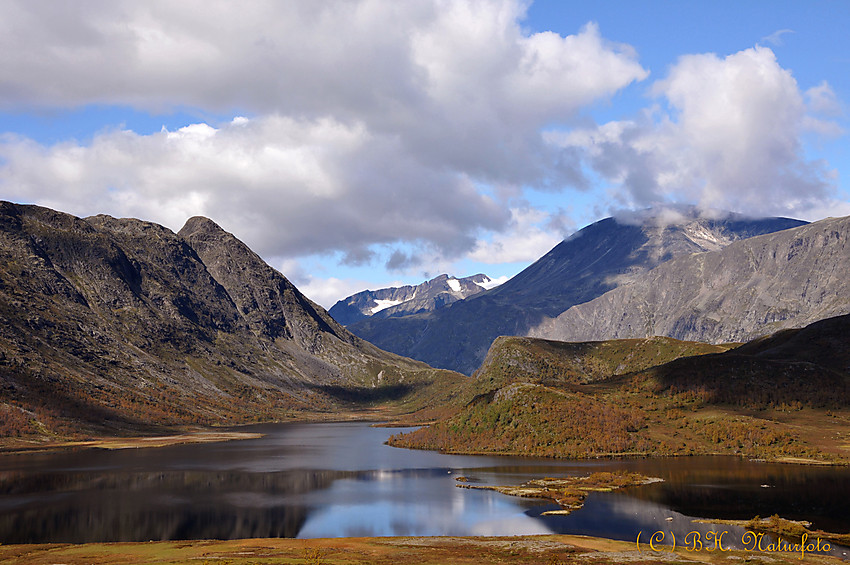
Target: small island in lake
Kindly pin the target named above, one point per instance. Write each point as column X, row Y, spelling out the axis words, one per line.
column 568, row 492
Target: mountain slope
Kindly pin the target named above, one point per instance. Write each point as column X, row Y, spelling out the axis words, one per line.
column 781, row 397
column 115, row 324
column 596, row 259
column 807, row 367
column 409, row 299
column 748, row 289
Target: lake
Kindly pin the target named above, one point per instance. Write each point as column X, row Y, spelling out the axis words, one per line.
column 339, row 479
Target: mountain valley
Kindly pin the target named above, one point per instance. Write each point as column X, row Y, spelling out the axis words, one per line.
column 115, row 326
column 122, row 327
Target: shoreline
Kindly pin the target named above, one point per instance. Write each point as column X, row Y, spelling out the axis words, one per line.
column 560, row 549
column 631, row 455
column 174, row 436
column 201, row 434
column 140, row 442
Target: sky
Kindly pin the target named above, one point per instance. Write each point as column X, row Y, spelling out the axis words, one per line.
column 362, row 144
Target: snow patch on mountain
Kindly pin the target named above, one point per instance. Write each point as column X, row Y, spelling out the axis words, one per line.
column 384, row 304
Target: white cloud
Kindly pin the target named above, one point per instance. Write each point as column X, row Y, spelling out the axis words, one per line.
column 375, row 129
column 730, row 138
column 823, row 106
column 372, row 122
column 493, row 283
column 829, row 208
column 328, row 291
column 526, row 240
column 325, row 291
column 287, row 187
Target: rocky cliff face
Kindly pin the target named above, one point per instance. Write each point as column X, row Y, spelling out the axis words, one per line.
column 268, row 303
column 596, row 259
column 116, row 322
column 748, row 289
column 410, row 299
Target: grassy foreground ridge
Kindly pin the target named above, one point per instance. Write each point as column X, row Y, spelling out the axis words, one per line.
column 783, row 397
column 545, row 550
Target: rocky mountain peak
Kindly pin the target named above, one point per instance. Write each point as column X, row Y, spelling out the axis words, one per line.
column 201, row 226
column 271, row 305
column 430, row 295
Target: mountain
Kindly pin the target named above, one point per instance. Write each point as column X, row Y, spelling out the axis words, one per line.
column 748, row 289
column 119, row 324
column 594, row 260
column 409, row 299
column 779, row 397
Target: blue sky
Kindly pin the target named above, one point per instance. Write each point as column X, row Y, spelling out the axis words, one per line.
column 366, row 143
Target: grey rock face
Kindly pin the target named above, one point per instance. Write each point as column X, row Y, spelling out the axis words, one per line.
column 748, row 289
column 596, row 259
column 410, row 299
column 265, row 299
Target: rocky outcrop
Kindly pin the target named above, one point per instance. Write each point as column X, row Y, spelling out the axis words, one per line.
column 269, row 304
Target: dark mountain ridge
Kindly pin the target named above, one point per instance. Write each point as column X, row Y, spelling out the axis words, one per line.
column 803, row 367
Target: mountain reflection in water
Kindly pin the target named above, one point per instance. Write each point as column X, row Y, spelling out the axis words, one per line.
column 84, row 507
column 339, row 479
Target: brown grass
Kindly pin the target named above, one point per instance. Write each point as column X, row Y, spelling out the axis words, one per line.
column 547, row 550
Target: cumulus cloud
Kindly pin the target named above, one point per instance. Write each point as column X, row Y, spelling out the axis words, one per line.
column 727, row 135
column 396, row 130
column 400, row 261
column 288, row 187
column 669, row 215
column 368, row 123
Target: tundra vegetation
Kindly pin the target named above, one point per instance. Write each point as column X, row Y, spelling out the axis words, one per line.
column 782, row 398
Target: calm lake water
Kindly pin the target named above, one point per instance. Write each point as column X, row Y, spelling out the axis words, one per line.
column 339, row 479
